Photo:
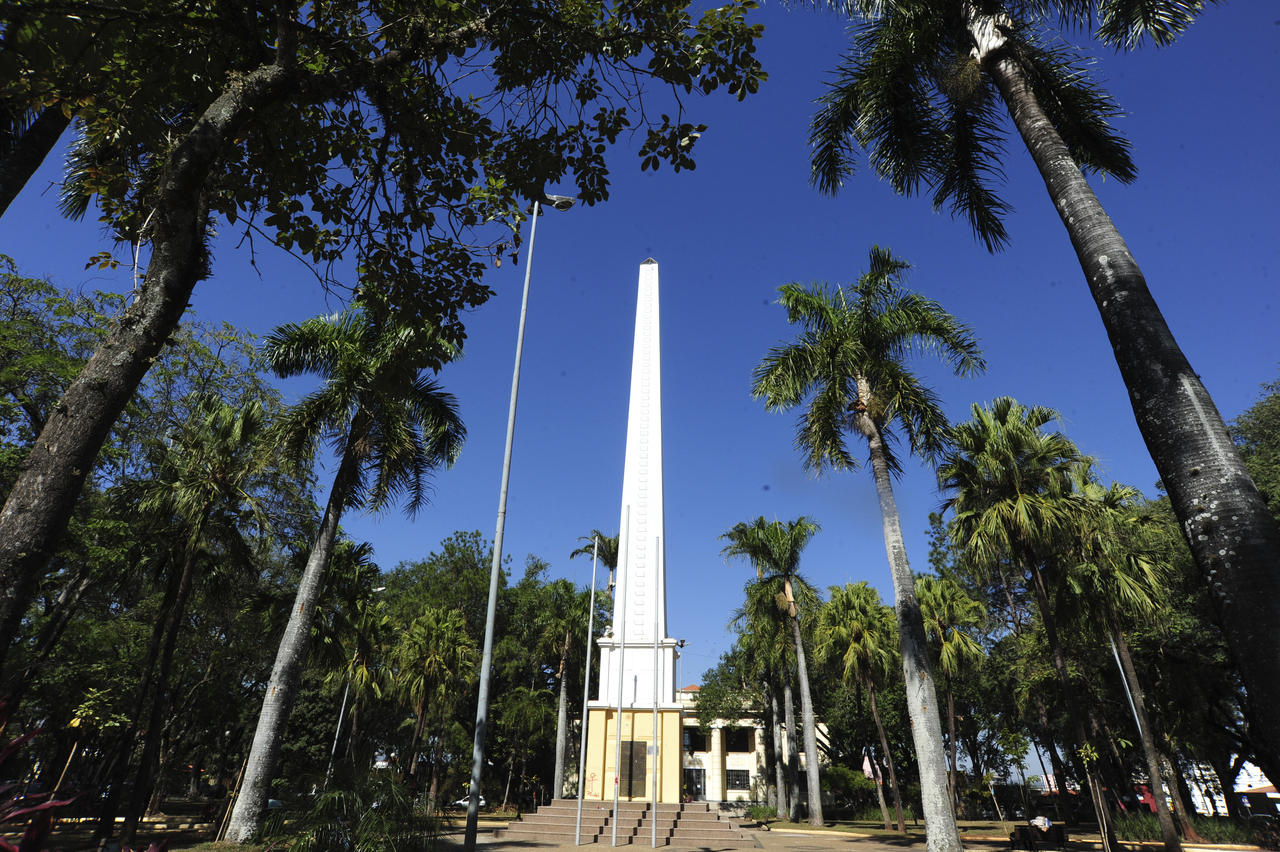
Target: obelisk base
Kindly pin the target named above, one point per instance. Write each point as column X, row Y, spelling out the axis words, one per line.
column 636, row 781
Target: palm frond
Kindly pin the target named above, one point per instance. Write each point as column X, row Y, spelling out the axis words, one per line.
column 1079, row 109
column 974, row 147
column 1127, row 23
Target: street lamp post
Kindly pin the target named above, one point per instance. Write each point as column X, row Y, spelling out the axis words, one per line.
column 558, row 202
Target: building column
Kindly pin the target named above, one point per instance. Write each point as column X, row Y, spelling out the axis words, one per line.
column 715, row 769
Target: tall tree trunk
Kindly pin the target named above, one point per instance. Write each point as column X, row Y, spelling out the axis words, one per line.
column 888, row 759
column 562, row 720
column 779, row 769
column 951, row 747
column 793, row 750
column 1231, row 532
column 28, row 151
column 1060, row 801
column 149, row 762
column 246, row 817
column 884, row 808
column 506, row 791
column 117, row 765
column 1182, row 810
column 433, row 787
column 1057, row 787
column 40, row 502
column 1226, row 770
column 806, row 712
column 1105, row 824
column 922, row 697
column 418, row 724
column 1168, row 831
column 59, row 616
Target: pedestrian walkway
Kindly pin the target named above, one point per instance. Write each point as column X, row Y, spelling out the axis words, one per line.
column 778, row 840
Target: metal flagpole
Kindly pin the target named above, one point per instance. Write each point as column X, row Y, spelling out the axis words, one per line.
column 586, row 690
column 622, row 651
column 656, row 613
column 1124, row 678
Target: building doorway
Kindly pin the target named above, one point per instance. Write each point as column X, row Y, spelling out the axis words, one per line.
column 633, row 769
column 695, row 785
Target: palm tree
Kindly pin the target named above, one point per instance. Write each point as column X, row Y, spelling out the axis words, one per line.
column 857, row 629
column 1012, row 492
column 434, row 660
column 390, row 427
column 608, row 552
column 563, row 615
column 849, row 362
column 774, row 549
column 949, row 613
column 1120, row 573
column 523, row 713
column 204, row 487
column 920, row 91
column 763, row 656
column 766, row 630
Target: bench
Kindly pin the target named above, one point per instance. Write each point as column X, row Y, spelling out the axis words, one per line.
column 1032, row 838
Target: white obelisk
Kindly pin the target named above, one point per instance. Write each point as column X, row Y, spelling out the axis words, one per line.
column 627, row 673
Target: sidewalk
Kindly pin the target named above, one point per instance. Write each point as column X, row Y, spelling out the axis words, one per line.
column 797, row 839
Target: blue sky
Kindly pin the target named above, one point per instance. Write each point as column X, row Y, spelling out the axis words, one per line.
column 1202, row 116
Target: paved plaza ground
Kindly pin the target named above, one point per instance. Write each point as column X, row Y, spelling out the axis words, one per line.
column 797, row 839
column 71, row 837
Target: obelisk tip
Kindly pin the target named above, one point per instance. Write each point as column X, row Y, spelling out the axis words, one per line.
column 648, row 261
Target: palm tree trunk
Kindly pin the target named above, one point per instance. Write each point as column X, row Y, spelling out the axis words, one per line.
column 39, row 504
column 1105, row 825
column 562, row 721
column 922, row 697
column 884, row 808
column 888, row 759
column 29, row 151
column 810, row 727
column 1226, row 522
column 951, row 745
column 1168, row 831
column 779, row 770
column 151, row 745
column 1181, row 811
column 119, row 760
column 246, row 817
column 793, row 750
column 1055, row 762
column 418, row 725
column 433, row 786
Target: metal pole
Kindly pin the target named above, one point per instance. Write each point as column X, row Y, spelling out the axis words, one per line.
column 656, row 612
column 337, row 730
column 1124, row 679
column 486, row 658
column 622, row 651
column 586, row 689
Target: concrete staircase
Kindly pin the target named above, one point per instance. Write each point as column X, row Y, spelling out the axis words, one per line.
column 688, row 826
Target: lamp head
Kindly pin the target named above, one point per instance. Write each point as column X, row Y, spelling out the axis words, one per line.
column 559, row 202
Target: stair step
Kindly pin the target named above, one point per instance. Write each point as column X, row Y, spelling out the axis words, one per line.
column 678, row 825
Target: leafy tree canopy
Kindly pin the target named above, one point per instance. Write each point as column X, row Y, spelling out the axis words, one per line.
column 1257, row 436
column 388, row 133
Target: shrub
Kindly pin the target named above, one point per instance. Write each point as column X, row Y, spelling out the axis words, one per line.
column 377, row 815
column 36, row 810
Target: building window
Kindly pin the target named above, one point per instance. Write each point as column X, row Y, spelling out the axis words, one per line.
column 737, row 779
column 695, row 740
column 739, row 740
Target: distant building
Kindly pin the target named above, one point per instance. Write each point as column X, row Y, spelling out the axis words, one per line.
column 727, row 764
